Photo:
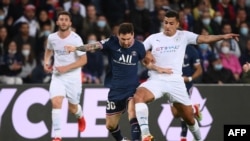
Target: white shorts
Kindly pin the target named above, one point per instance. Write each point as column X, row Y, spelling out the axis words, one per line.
column 175, row 91
column 70, row 87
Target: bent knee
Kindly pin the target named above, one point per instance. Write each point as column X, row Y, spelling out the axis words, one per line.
column 111, row 127
column 143, row 95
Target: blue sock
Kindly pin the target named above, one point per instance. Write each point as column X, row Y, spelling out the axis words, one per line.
column 184, row 129
column 116, row 133
column 135, row 130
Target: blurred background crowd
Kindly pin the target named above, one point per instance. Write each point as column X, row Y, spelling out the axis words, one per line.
column 25, row 25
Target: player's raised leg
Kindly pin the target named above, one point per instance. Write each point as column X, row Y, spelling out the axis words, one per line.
column 141, row 97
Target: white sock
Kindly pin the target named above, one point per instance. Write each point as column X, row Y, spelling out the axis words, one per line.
column 78, row 113
column 195, row 130
column 141, row 110
column 56, row 122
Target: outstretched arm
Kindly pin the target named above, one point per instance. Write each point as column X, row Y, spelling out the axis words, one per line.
column 214, row 38
column 85, row 48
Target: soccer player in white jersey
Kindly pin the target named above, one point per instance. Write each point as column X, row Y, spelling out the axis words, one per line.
column 168, row 49
column 66, row 72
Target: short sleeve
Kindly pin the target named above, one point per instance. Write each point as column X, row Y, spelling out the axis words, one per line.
column 48, row 44
column 147, row 43
column 191, row 37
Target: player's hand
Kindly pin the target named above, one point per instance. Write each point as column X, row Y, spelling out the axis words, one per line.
column 246, row 67
column 231, row 36
column 62, row 69
column 149, row 58
column 47, row 68
column 70, row 48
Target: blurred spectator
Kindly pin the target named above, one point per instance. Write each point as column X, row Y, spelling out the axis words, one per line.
column 45, row 31
column 28, row 63
column 205, row 53
column 157, row 24
column 23, row 37
column 2, row 17
column 201, row 8
column 230, row 61
column 242, row 4
column 218, row 18
column 140, row 18
column 244, row 36
column 149, row 4
column 217, row 74
column 241, row 16
column 102, row 29
column 114, row 10
column 19, row 6
column 115, row 29
column 234, row 45
column 38, row 74
column 89, row 21
column 227, row 10
column 50, row 6
column 172, row 5
column 8, row 7
column 76, row 17
column 158, row 5
column 68, row 4
column 4, row 40
column 245, row 57
column 93, row 70
column 206, row 21
column 13, row 61
column 30, row 18
column 43, row 18
column 186, row 18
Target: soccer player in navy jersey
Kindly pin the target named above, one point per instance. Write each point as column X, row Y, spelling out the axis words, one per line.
column 124, row 53
column 191, row 70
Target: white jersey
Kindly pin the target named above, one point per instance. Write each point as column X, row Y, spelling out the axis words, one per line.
column 169, row 51
column 61, row 56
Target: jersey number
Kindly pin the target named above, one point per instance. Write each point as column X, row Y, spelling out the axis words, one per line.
column 110, row 105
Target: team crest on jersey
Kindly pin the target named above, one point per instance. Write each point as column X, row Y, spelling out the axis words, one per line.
column 133, row 53
column 177, row 39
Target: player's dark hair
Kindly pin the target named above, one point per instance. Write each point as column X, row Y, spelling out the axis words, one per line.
column 64, row 13
column 172, row 14
column 126, row 28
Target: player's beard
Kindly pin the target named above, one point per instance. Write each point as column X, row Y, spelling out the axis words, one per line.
column 64, row 29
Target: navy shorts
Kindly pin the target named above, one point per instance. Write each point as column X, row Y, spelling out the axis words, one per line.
column 118, row 100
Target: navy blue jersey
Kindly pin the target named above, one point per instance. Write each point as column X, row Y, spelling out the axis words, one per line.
column 191, row 58
column 123, row 63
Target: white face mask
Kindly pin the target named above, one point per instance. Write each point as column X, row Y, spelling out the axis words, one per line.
column 218, row 19
column 225, row 50
column 206, row 21
column 26, row 52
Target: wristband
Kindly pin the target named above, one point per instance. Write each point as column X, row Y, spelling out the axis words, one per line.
column 190, row 78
